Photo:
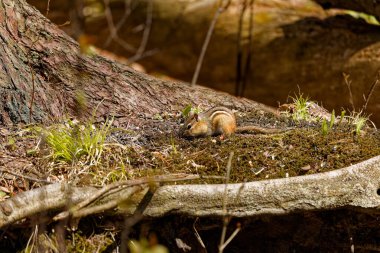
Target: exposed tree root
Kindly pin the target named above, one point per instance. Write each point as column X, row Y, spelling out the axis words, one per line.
column 356, row 186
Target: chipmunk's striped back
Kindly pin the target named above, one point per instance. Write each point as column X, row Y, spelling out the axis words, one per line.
column 216, row 111
column 222, row 121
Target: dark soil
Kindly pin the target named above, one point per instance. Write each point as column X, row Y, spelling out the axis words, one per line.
column 302, row 150
column 156, row 147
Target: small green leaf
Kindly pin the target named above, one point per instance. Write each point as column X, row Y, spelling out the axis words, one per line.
column 332, row 119
column 186, row 111
column 2, row 194
column 325, row 128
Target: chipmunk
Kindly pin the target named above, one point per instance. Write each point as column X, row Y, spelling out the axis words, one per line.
column 219, row 121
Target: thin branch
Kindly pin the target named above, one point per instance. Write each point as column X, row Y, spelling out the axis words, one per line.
column 249, row 50
column 197, row 235
column 239, row 53
column 119, row 186
column 348, row 84
column 32, row 239
column 127, row 12
column 225, row 211
column 143, row 55
column 23, row 176
column 371, row 90
column 219, row 11
column 146, row 33
column 114, row 36
column 127, row 47
column 130, row 221
column 47, row 8
column 233, row 235
column 77, row 18
column 101, row 208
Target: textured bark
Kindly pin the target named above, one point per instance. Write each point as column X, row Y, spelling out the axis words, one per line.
column 35, row 52
column 354, row 187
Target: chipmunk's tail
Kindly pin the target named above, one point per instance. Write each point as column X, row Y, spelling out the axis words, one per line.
column 262, row 130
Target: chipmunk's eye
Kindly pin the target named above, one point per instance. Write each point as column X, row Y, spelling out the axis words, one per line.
column 188, row 126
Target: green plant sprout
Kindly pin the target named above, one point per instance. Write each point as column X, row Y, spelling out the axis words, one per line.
column 190, row 109
column 325, row 128
column 71, row 141
column 301, row 108
column 342, row 115
column 332, row 119
column 142, row 246
column 359, row 121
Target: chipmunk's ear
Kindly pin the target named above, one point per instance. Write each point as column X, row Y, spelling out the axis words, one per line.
column 196, row 117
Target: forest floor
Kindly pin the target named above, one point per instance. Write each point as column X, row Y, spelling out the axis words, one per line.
column 27, row 159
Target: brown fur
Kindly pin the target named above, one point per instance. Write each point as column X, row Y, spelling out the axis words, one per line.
column 219, row 121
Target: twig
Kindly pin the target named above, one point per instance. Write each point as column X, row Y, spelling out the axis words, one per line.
column 143, row 55
column 130, row 221
column 233, row 235
column 129, row 183
column 23, row 176
column 32, row 239
column 64, row 24
column 77, row 18
column 113, row 30
column 219, row 11
column 370, row 92
column 144, row 40
column 239, row 53
column 348, row 83
column 100, row 208
column 249, row 50
column 127, row 12
column 225, row 213
column 47, row 8
column 197, row 234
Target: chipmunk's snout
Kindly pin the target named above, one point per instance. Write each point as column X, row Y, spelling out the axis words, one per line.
column 187, row 134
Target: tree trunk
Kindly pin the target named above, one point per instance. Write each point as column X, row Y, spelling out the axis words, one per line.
column 44, row 75
column 296, row 46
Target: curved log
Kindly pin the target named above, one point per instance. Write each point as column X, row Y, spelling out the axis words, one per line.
column 356, row 187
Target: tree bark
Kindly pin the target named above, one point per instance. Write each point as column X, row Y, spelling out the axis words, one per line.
column 43, row 73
